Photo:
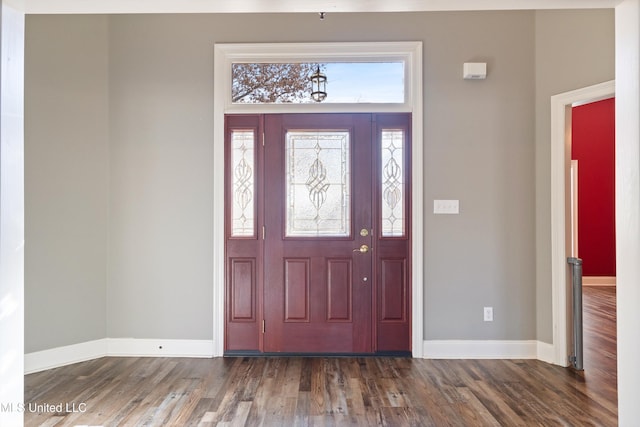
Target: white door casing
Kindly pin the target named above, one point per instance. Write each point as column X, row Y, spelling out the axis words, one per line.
column 560, row 144
column 410, row 53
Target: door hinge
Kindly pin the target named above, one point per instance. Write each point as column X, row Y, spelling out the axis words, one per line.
column 263, row 326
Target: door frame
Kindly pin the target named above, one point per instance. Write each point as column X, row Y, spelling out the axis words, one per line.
column 411, row 54
column 573, row 189
column 561, row 105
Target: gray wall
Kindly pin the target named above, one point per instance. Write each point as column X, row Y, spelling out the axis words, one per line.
column 482, row 140
column 161, row 201
column 479, row 149
column 574, row 49
column 66, row 173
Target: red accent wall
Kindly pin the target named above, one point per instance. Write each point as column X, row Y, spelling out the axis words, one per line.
column 593, row 145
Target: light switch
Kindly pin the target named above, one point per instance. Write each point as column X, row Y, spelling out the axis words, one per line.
column 446, row 207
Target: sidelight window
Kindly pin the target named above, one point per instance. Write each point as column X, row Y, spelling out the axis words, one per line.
column 393, row 183
column 243, row 183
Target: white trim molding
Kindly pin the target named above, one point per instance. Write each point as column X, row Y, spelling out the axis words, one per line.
column 627, row 37
column 291, row 6
column 12, row 223
column 545, row 352
column 560, row 142
column 410, row 52
column 598, row 280
column 490, row 349
column 115, row 347
column 132, row 347
column 62, row 356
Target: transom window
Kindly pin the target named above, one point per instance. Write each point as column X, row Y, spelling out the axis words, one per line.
column 360, row 77
column 347, row 82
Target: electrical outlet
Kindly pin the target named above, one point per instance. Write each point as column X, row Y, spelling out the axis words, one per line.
column 488, row 314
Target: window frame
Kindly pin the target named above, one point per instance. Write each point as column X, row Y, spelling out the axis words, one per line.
column 228, row 54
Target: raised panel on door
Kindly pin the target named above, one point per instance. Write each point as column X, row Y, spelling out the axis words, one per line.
column 242, row 289
column 296, row 290
column 339, row 290
column 393, row 290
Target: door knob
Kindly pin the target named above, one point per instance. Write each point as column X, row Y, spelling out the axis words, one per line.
column 362, row 249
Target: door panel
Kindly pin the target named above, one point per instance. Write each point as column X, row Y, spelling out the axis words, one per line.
column 330, row 271
column 296, row 290
column 243, row 289
column 319, row 184
column 393, row 290
column 339, row 290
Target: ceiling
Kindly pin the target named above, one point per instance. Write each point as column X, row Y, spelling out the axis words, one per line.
column 282, row 6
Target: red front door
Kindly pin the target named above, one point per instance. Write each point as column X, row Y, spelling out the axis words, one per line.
column 323, row 264
column 318, row 295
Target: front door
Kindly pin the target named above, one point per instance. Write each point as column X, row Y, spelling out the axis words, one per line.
column 323, row 263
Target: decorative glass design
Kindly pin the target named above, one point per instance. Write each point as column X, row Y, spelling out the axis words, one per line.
column 318, row 184
column 243, row 183
column 393, row 183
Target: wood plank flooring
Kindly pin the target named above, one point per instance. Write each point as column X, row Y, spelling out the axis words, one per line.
column 295, row 391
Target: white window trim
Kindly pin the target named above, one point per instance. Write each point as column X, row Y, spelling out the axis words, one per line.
column 227, row 54
column 409, row 52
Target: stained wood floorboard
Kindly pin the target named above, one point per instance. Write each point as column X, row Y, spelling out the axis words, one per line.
column 295, row 391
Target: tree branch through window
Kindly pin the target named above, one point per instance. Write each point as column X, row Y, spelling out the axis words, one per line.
column 271, row 83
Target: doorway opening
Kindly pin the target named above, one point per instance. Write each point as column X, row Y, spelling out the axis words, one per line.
column 593, row 158
column 593, row 216
column 561, row 221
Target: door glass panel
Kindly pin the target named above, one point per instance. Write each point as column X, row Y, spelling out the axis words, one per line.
column 243, row 183
column 318, row 183
column 393, row 185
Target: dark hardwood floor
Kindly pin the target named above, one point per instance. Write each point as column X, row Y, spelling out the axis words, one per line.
column 600, row 344
column 295, row 391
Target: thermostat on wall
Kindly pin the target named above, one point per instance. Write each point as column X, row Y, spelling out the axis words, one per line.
column 474, row 70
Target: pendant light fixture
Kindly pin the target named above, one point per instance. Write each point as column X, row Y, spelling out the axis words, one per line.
column 318, row 85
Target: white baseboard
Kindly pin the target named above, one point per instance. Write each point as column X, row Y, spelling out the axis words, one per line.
column 61, row 356
column 470, row 349
column 66, row 355
column 546, row 352
column 598, row 280
column 159, row 347
column 132, row 347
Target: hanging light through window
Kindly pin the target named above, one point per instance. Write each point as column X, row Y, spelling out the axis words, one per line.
column 318, row 86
